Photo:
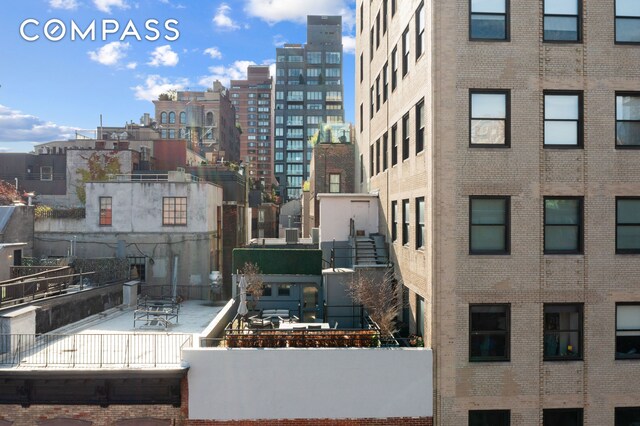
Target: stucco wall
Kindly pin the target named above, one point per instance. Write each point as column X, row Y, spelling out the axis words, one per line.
column 245, row 384
column 336, row 210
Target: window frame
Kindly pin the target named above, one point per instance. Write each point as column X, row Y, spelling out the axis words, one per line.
column 332, row 184
column 385, row 151
column 377, row 154
column 506, row 413
column 615, row 25
column 578, row 19
column 580, row 249
column 507, row 119
column 420, row 131
column 394, row 68
column 625, row 251
column 420, row 35
column 507, row 333
column 394, row 144
column 507, row 22
column 406, row 137
column 635, row 94
column 406, row 222
column 105, row 220
column 420, row 224
column 579, row 411
column 507, row 226
column 165, row 219
column 637, row 330
column 406, row 51
column 580, row 121
column 580, row 332
column 394, row 221
column 385, row 82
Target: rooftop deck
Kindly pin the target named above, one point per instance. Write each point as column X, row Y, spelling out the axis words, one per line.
column 109, row 341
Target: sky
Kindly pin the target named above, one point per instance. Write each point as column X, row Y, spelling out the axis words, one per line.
column 49, row 89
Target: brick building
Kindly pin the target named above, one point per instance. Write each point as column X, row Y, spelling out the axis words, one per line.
column 500, row 138
column 252, row 100
column 205, row 119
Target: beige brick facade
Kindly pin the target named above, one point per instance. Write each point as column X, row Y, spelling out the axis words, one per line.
column 448, row 171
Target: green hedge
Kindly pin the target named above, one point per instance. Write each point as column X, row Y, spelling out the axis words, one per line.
column 280, row 261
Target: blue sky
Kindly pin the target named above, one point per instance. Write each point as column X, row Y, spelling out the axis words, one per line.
column 49, row 89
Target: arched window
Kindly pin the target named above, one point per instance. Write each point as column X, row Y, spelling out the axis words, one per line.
column 163, row 117
column 172, row 117
column 209, row 119
column 183, row 117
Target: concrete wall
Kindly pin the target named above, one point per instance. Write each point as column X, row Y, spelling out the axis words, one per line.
column 19, row 228
column 250, row 384
column 336, row 210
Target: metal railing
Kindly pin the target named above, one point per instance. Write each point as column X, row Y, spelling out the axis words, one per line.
column 92, row 350
column 42, row 284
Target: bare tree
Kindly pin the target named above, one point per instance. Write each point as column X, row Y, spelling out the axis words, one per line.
column 380, row 297
column 255, row 285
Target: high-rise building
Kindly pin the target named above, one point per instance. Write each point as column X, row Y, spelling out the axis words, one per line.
column 308, row 91
column 252, row 101
column 205, row 119
column 502, row 138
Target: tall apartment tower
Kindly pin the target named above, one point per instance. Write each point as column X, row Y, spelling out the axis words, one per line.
column 502, row 138
column 308, row 91
column 252, row 100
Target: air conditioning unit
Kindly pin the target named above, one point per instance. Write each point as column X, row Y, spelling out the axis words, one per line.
column 291, row 235
column 315, row 235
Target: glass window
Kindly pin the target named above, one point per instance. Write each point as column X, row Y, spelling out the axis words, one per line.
column 627, row 331
column 183, row 117
column 394, row 145
column 627, row 21
column 314, row 57
column 405, row 222
column 489, row 418
column 334, row 182
column 295, row 72
column 562, row 332
column 562, row 417
column 628, row 120
column 489, row 332
column 385, row 82
column 405, row 137
column 332, row 57
column 105, row 211
column 378, row 156
column 627, row 416
column 562, row 225
column 406, row 47
column 490, row 118
column 172, row 117
column 295, row 120
column 372, row 105
column 174, row 211
column 385, row 150
column 489, row 20
column 420, row 223
column 628, row 225
column 46, row 173
column 420, row 126
column 561, row 20
column 562, row 120
column 394, row 221
column 394, row 68
column 420, row 33
column 295, row 58
column 284, row 290
column 489, row 225
column 378, row 93
column 371, row 161
column 295, row 95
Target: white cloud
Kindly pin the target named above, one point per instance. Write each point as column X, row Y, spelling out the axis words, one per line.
column 214, row 52
column 279, row 40
column 163, row 56
column 349, row 44
column 64, row 4
column 15, row 126
column 154, row 85
column 274, row 11
column 235, row 71
column 106, row 5
column 132, row 65
column 223, row 20
column 111, row 54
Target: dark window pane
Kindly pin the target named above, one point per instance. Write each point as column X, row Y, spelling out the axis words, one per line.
column 488, row 238
column 562, row 331
column 488, row 211
column 627, row 416
column 488, row 345
column 488, row 318
column 629, row 211
column 561, row 238
column 562, row 212
column 489, row 333
column 489, row 418
column 560, row 28
column 628, row 238
column 628, row 132
column 628, row 30
column 563, row 417
column 488, row 27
